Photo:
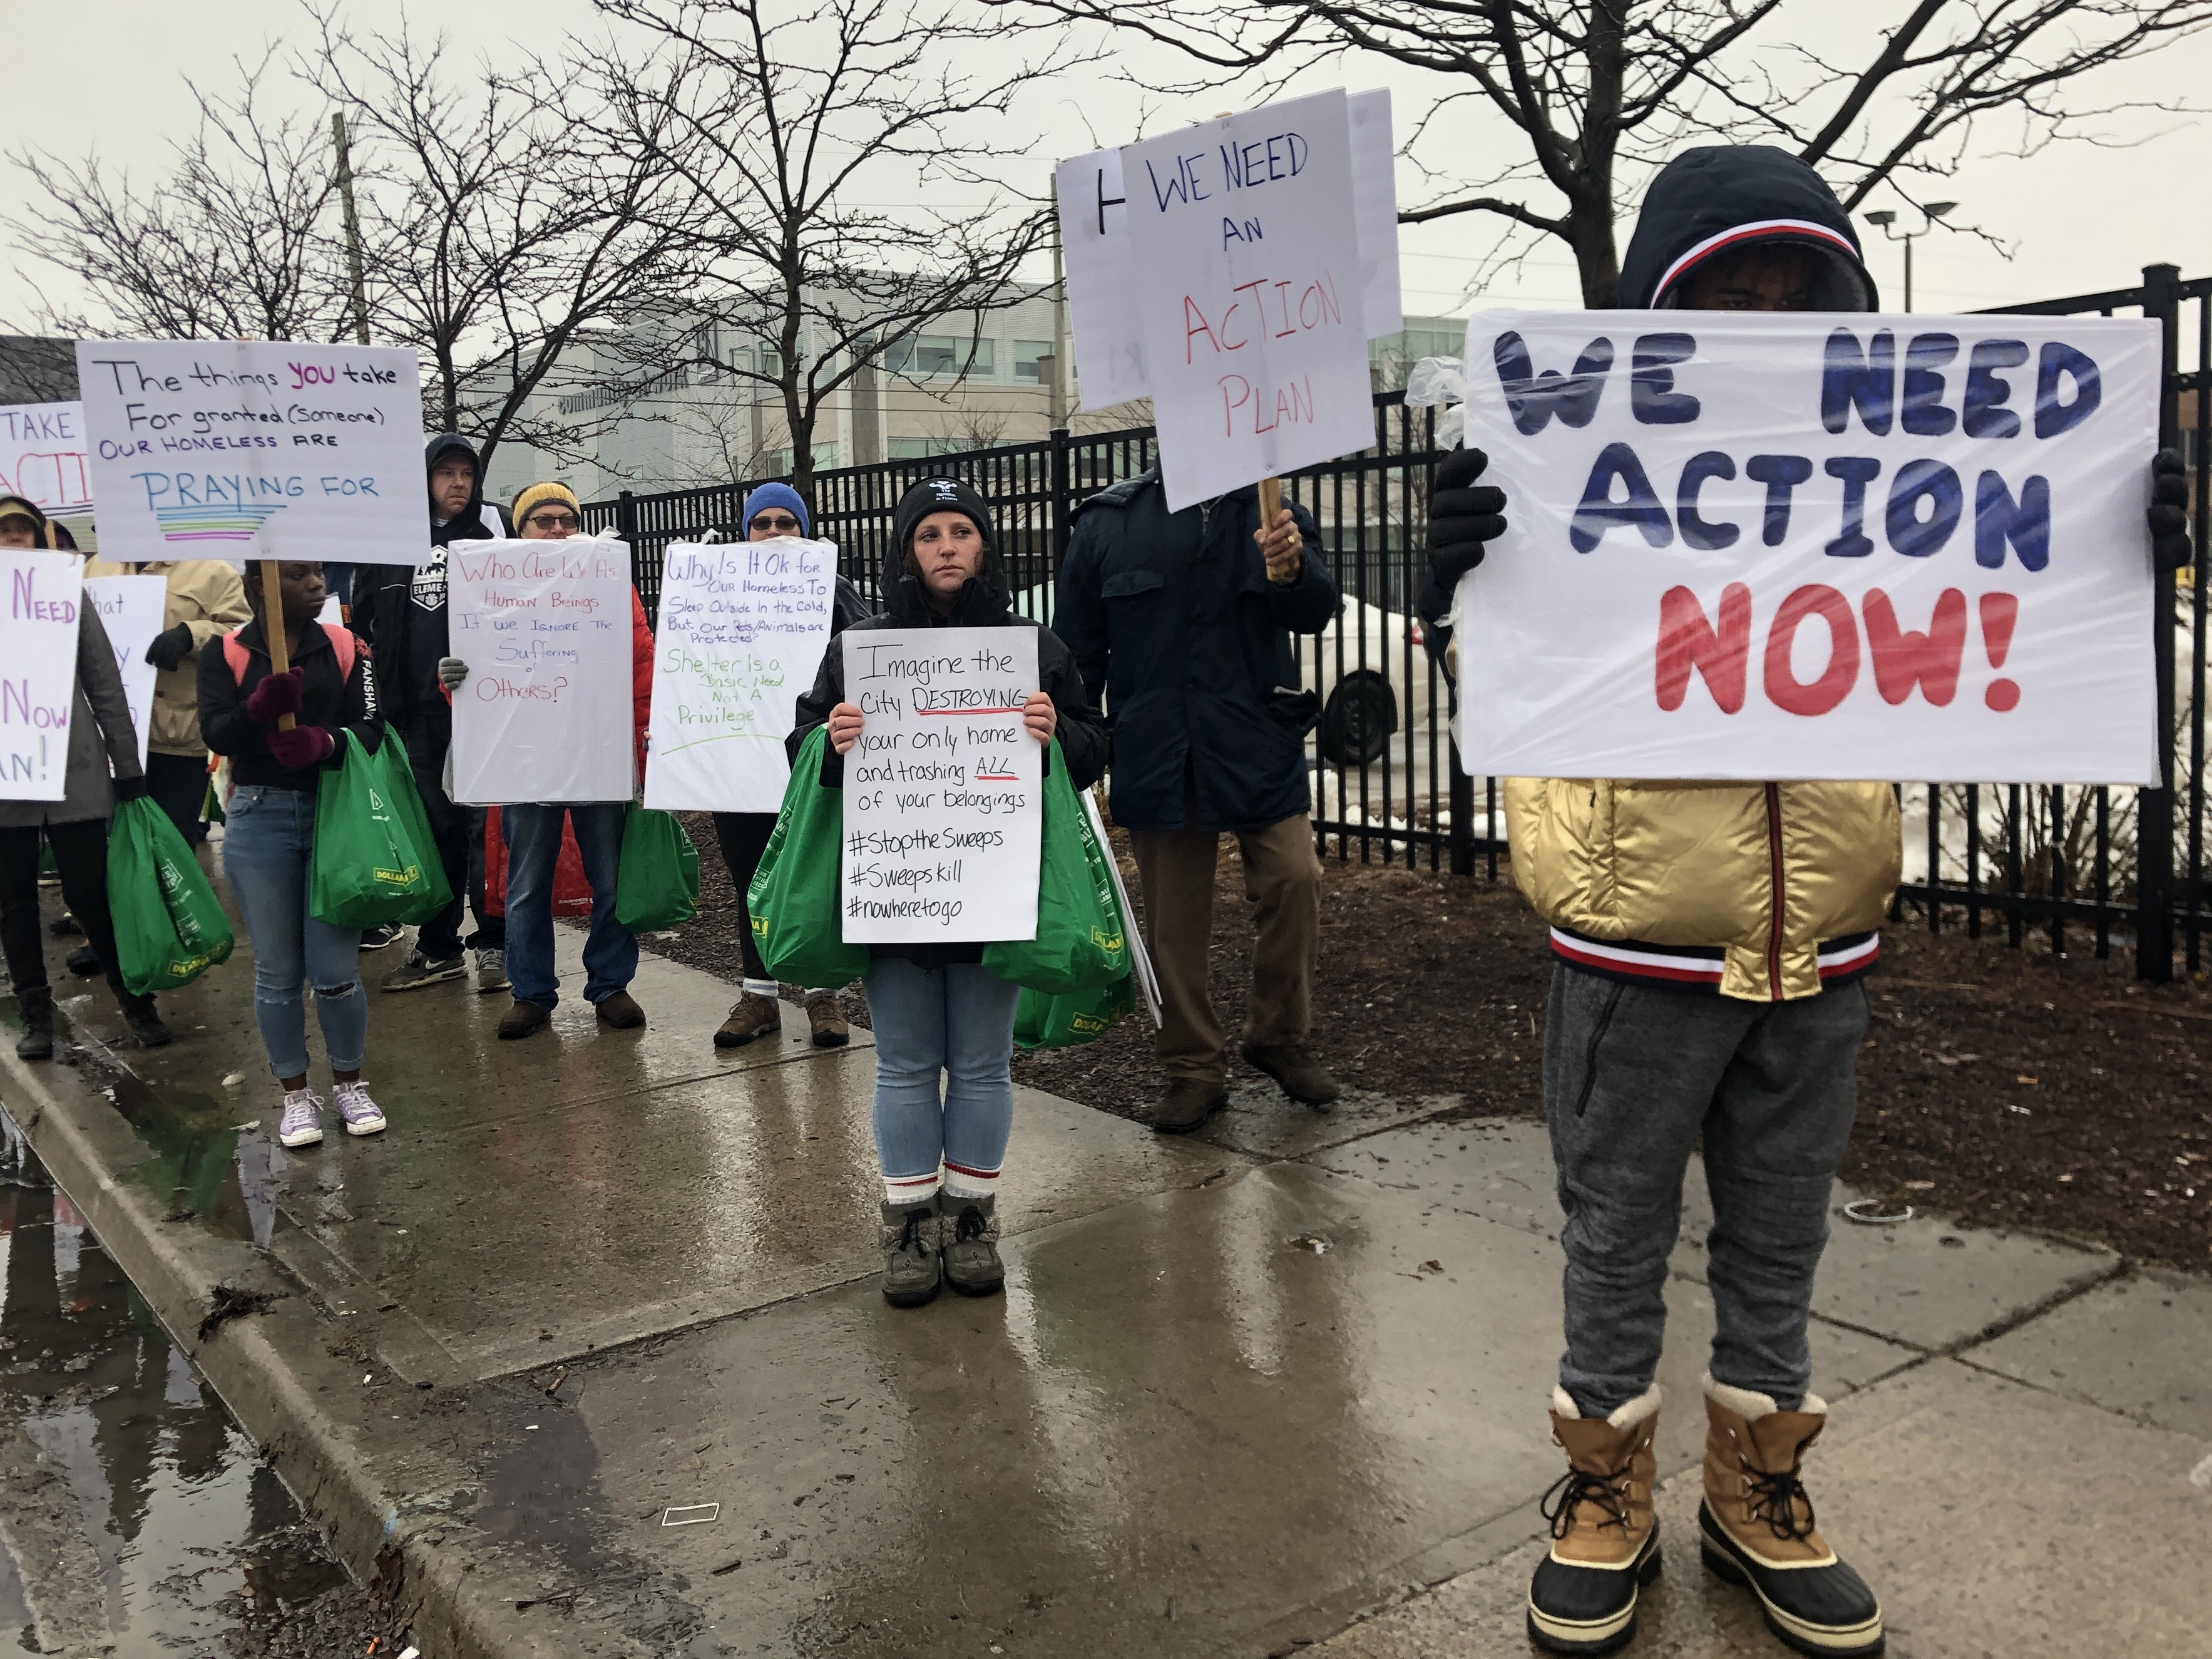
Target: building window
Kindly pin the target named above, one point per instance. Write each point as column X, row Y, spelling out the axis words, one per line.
column 928, row 355
column 1026, row 353
column 912, row 449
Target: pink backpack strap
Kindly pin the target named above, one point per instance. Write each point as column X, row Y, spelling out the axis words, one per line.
column 343, row 645
column 236, row 655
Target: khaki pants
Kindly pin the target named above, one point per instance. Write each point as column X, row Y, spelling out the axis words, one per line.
column 1282, row 878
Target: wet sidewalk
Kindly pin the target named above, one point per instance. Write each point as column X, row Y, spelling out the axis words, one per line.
column 1284, row 1384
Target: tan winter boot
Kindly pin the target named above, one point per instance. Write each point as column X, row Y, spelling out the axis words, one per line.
column 1755, row 1525
column 1605, row 1542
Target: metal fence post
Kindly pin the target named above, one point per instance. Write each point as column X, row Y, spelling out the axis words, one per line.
column 1063, row 504
column 2154, row 807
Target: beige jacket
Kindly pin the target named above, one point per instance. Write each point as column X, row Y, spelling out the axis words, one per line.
column 208, row 596
column 1764, row 871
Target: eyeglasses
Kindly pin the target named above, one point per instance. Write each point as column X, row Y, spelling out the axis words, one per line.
column 557, row 520
column 781, row 521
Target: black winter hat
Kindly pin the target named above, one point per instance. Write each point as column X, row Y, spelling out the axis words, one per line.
column 936, row 495
column 1722, row 197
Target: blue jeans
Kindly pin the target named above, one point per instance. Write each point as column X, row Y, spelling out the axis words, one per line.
column 268, row 847
column 533, row 835
column 959, row 1021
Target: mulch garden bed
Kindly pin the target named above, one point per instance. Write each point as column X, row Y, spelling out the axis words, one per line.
column 2000, row 1087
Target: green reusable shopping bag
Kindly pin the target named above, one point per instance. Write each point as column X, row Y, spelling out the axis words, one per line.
column 169, row 925
column 794, row 899
column 657, row 881
column 375, row 859
column 1082, row 943
column 1046, row 1021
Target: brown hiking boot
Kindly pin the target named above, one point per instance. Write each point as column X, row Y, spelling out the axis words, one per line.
column 1755, row 1525
column 827, row 1021
column 751, row 1015
column 1605, row 1542
column 618, row 1011
column 1305, row 1079
column 1188, row 1103
column 523, row 1019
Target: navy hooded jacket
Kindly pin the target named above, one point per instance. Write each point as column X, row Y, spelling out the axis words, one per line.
column 1174, row 615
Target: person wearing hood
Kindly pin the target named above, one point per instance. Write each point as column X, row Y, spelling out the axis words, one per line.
column 1185, row 620
column 205, row 600
column 403, row 614
column 771, row 510
column 101, row 768
column 937, row 1012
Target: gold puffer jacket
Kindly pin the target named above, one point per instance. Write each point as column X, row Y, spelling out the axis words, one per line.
column 1765, row 871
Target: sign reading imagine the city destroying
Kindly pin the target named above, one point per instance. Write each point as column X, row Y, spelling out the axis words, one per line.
column 1802, row 546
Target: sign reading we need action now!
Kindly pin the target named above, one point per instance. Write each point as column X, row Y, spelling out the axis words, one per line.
column 1799, row 546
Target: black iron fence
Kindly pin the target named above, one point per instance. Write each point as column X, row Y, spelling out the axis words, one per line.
column 2119, row 865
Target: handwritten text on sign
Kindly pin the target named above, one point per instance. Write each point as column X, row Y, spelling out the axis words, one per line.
column 944, row 791
column 38, row 671
column 544, row 715
column 42, row 457
column 742, row 629
column 254, row 449
column 1246, row 255
column 1768, row 547
column 132, row 610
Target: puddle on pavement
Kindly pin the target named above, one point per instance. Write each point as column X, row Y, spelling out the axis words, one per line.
column 135, row 1517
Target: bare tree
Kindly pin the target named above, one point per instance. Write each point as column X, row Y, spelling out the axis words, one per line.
column 1599, row 91
column 227, row 245
column 782, row 130
column 503, row 230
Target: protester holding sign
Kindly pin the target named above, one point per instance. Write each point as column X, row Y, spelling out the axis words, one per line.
column 773, row 511
column 1185, row 619
column 268, row 834
column 403, row 614
column 549, row 513
column 205, row 600
column 45, row 596
column 936, row 1010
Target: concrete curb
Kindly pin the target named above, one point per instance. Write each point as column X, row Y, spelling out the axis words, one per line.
column 360, row 1473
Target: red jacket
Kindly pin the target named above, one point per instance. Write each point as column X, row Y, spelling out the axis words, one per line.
column 641, row 677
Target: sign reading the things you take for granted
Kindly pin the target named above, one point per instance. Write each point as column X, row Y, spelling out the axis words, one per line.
column 42, row 458
column 944, row 791
column 38, row 671
column 1245, row 249
column 545, row 712
column 206, row 449
column 743, row 625
column 1798, row 546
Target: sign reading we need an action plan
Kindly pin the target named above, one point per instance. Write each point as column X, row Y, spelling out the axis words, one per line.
column 38, row 671
column 1801, row 546
column 944, row 791
column 254, row 449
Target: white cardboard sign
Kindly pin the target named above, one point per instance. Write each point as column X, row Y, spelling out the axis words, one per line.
column 254, row 450
column 131, row 608
column 42, row 457
column 743, row 625
column 544, row 715
column 1812, row 546
column 38, row 671
column 1105, row 317
column 944, row 793
column 1246, row 273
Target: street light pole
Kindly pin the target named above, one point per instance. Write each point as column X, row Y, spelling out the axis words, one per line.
column 1886, row 218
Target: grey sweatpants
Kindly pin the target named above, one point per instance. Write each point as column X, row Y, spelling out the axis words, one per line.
column 1633, row 1074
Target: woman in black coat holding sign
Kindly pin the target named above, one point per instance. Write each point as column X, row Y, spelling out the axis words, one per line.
column 934, row 1007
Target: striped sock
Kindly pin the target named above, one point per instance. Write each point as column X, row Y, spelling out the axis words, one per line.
column 761, row 988
column 906, row 1191
column 962, row 1181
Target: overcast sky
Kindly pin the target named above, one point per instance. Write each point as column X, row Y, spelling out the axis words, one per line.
column 107, row 75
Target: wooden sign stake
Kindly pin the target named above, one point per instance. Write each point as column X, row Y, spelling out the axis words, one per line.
column 272, row 627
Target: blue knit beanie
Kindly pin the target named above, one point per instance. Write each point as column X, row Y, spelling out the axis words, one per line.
column 776, row 495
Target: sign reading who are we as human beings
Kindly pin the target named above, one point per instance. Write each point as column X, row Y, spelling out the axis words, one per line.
column 1812, row 546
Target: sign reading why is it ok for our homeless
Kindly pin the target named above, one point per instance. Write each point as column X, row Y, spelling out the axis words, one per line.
column 207, row 449
column 1796, row 546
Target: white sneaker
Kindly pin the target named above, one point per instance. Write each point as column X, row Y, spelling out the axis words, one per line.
column 491, row 972
column 303, row 1122
column 362, row 1116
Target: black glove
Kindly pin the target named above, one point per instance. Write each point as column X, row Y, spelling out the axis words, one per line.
column 131, row 788
column 170, row 647
column 1462, row 515
column 2169, row 511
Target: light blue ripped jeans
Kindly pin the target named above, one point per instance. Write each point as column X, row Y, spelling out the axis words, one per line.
column 268, row 848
